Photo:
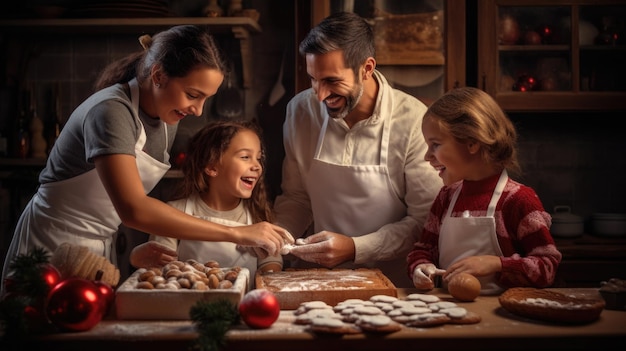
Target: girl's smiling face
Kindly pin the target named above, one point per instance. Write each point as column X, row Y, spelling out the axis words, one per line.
column 238, row 171
column 446, row 154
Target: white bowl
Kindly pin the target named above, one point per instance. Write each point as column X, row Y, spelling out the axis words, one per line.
column 608, row 224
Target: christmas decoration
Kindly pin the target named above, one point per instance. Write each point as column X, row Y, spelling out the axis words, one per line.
column 525, row 82
column 212, row 321
column 26, row 288
column 75, row 304
column 106, row 291
column 259, row 308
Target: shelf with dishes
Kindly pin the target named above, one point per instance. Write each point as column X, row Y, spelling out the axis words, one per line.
column 553, row 55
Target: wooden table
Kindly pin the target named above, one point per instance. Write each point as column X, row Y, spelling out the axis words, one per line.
column 498, row 330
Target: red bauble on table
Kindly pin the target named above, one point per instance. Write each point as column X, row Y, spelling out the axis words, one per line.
column 106, row 290
column 75, row 304
column 259, row 308
column 107, row 293
column 50, row 275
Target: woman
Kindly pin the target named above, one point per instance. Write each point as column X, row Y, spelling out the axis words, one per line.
column 114, row 149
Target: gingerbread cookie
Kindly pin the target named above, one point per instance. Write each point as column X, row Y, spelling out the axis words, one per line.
column 377, row 324
column 311, row 305
column 383, row 298
column 426, row 320
column 423, row 297
column 331, row 325
column 397, row 316
column 440, row 305
column 307, row 317
column 469, row 318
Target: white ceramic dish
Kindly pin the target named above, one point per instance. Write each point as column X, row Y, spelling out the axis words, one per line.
column 565, row 224
column 608, row 224
column 132, row 303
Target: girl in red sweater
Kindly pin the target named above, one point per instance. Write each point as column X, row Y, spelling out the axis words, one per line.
column 482, row 222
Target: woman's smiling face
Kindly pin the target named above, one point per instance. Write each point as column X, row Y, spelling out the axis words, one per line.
column 181, row 96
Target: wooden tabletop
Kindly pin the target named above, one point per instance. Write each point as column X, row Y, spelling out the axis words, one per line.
column 498, row 330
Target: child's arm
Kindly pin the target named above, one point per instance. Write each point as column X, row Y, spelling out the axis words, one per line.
column 270, row 264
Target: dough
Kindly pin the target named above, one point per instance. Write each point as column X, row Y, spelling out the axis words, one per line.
column 286, row 249
column 464, row 287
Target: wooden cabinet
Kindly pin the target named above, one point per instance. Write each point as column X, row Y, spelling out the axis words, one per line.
column 550, row 55
column 418, row 35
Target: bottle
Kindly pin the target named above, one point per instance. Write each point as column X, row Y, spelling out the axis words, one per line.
column 21, row 140
column 38, row 143
column 213, row 9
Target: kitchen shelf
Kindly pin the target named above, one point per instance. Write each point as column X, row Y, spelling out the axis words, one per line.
column 556, row 59
column 240, row 27
column 432, row 38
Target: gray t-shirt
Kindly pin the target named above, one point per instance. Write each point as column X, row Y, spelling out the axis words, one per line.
column 103, row 124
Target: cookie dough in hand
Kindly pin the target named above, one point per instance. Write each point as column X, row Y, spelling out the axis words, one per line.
column 286, row 249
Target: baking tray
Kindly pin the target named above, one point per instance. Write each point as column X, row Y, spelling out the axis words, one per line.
column 294, row 286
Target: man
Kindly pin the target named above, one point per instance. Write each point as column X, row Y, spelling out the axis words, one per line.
column 354, row 164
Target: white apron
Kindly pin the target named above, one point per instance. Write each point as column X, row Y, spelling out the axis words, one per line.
column 462, row 237
column 226, row 253
column 78, row 210
column 356, row 200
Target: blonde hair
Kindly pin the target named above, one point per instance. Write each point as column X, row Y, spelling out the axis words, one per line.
column 471, row 115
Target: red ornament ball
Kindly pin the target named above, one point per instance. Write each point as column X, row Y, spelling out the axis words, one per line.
column 75, row 304
column 259, row 308
column 50, row 275
column 107, row 292
column 180, row 159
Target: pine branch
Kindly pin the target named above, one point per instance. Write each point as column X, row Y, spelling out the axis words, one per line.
column 212, row 320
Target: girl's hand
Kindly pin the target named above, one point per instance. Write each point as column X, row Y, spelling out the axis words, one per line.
column 424, row 274
column 478, row 266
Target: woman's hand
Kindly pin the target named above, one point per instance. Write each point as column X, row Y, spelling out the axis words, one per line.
column 423, row 276
column 152, row 254
column 263, row 239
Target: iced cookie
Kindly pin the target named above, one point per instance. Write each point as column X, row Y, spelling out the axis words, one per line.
column 332, row 326
column 425, row 320
column 307, row 317
column 423, row 297
column 378, row 324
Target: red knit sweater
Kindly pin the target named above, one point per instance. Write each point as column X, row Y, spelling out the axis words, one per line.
column 522, row 227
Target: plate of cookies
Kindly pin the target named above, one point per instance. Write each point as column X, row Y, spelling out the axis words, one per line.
column 551, row 306
column 168, row 293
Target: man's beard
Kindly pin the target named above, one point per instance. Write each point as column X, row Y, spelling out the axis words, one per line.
column 351, row 101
